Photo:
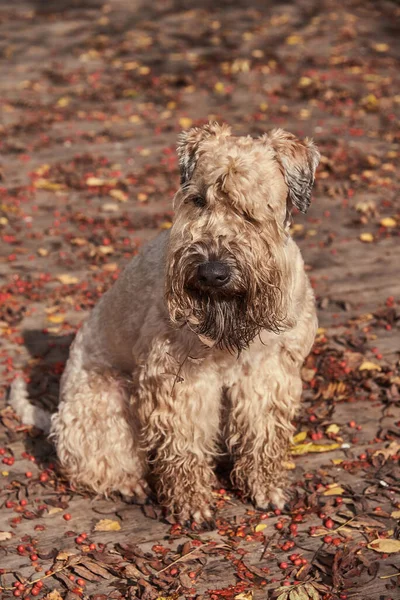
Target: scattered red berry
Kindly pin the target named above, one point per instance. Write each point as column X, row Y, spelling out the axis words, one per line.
column 329, row 524
column 283, row 565
column 67, row 517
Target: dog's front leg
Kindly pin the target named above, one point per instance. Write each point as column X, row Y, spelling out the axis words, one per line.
column 180, row 424
column 262, row 405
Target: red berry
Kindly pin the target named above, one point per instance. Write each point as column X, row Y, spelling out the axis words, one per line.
column 328, row 539
column 35, row 591
column 23, row 502
column 9, row 504
column 17, row 593
column 29, row 474
column 92, row 547
column 278, row 512
column 192, row 574
column 339, row 500
column 67, row 517
column 279, row 526
column 283, row 565
column 336, row 541
column 39, row 584
column 297, row 562
column 83, row 535
column 80, row 582
column 352, row 424
column 43, row 477
column 33, row 557
column 329, row 524
column 173, row 571
column 71, row 577
column 2, row 451
column 21, row 548
column 79, row 539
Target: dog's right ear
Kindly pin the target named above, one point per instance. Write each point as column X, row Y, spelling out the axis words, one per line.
column 189, row 145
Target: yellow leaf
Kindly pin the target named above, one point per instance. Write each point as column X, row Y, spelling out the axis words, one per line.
column 366, row 237
column 334, row 490
column 260, row 527
column 332, row 428
column 311, row 447
column 185, row 122
column 294, row 40
column 385, row 546
column 5, row 535
column 336, row 461
column 305, row 81
column 395, row 514
column 219, row 87
column 142, row 197
column 54, row 510
column 56, row 318
column 107, row 525
column 289, row 465
column 119, row 195
column 105, row 249
column 45, row 184
column 98, row 181
column 166, row 225
column 244, row 596
column 42, row 251
column 369, row 366
column 67, row 279
column 388, row 222
column 380, row 47
column 300, row 437
column 79, row 241
column 63, row 101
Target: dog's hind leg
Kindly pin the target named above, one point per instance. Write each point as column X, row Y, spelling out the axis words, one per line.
column 95, row 434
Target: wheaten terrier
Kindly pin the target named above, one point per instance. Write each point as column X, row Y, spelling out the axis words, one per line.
column 197, row 348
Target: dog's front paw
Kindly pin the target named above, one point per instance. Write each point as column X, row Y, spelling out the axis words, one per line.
column 274, row 496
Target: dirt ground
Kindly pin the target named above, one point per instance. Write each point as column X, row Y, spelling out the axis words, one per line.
column 92, row 98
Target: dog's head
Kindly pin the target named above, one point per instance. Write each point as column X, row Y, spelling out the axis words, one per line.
column 227, row 270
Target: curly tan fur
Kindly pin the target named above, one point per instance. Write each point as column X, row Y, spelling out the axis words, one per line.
column 164, row 373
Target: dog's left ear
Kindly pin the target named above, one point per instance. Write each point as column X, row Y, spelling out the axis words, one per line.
column 189, row 146
column 299, row 160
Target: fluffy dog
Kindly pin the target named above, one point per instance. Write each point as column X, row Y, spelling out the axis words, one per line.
column 197, row 348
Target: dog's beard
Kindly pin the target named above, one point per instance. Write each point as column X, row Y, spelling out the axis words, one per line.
column 228, row 319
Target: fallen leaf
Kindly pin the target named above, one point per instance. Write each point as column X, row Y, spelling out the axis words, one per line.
column 99, row 182
column 300, row 437
column 56, row 318
column 337, row 461
column 366, row 237
column 388, row 452
column 45, row 184
column 385, row 546
column 5, row 535
column 289, row 465
column 334, row 490
column 119, row 195
column 388, row 222
column 107, row 525
column 332, row 428
column 185, row 122
column 244, row 596
column 67, row 279
column 260, row 527
column 311, row 447
column 54, row 595
column 395, row 514
column 369, row 366
column 166, row 225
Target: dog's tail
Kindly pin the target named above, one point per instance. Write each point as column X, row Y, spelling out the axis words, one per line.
column 29, row 414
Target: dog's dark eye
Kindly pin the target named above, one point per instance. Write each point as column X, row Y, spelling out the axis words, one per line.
column 199, row 201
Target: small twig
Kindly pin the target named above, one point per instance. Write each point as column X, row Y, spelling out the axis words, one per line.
column 389, row 576
column 180, row 558
column 337, row 528
column 32, row 583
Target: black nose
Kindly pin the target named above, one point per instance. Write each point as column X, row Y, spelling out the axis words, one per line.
column 213, row 274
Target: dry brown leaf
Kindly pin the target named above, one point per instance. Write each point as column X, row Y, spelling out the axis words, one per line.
column 107, row 525
column 388, row 452
column 5, row 535
column 385, row 546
